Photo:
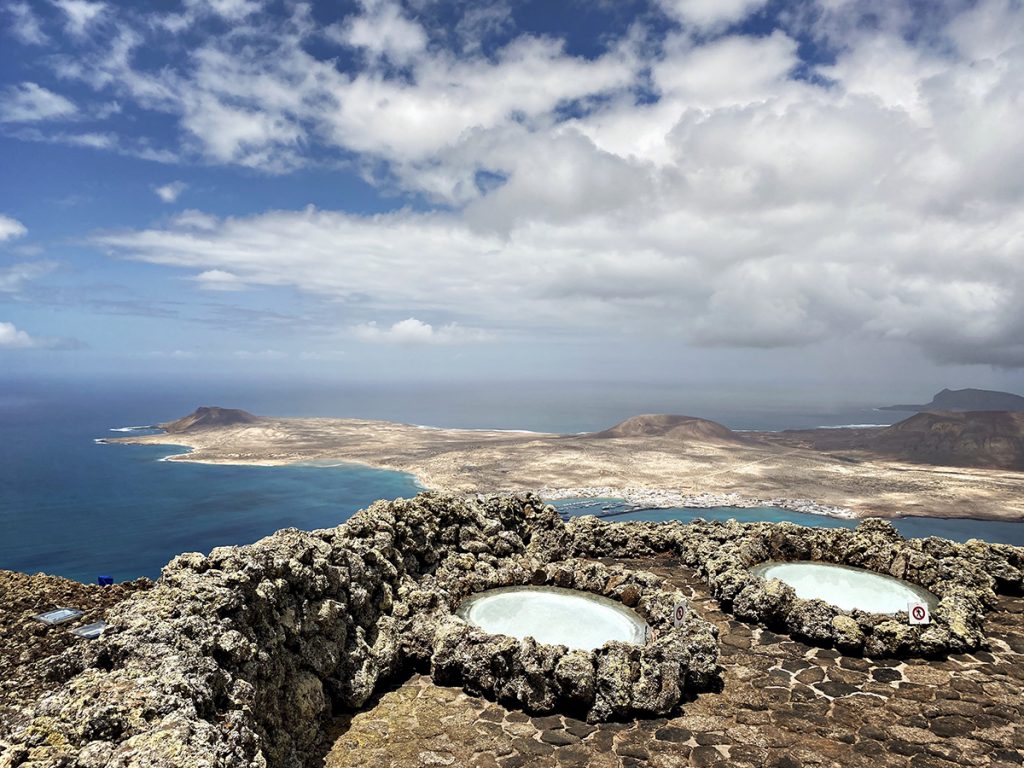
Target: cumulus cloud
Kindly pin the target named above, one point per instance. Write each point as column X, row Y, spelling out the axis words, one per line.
column 710, row 13
column 170, row 192
column 10, row 228
column 11, row 337
column 415, row 332
column 714, row 187
column 29, row 102
column 383, row 30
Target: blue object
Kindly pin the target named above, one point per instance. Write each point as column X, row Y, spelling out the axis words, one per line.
column 105, row 581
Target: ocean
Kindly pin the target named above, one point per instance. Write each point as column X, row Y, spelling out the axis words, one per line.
column 957, row 529
column 75, row 508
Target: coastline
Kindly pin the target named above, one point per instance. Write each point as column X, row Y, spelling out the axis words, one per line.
column 648, row 498
column 649, row 471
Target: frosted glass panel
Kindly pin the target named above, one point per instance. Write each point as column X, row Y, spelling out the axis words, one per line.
column 847, row 588
column 554, row 616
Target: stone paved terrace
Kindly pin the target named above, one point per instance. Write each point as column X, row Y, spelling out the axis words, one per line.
column 783, row 704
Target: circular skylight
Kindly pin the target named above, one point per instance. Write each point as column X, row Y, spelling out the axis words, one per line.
column 578, row 620
column 845, row 587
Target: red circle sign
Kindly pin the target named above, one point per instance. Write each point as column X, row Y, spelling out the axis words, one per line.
column 919, row 613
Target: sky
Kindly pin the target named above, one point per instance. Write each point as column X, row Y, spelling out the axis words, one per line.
column 699, row 191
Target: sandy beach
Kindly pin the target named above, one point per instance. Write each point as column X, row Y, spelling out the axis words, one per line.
column 652, row 470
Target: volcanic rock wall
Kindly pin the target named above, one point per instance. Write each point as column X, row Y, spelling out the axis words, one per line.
column 241, row 657
column 965, row 577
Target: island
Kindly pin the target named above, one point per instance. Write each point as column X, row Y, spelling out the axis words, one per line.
column 655, row 460
column 966, row 400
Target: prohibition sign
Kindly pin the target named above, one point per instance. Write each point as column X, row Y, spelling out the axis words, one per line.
column 918, row 614
column 679, row 613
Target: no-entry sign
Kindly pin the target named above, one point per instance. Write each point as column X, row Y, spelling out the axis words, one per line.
column 917, row 613
column 679, row 613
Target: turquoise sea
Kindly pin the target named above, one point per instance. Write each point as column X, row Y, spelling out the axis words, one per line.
column 957, row 529
column 75, row 508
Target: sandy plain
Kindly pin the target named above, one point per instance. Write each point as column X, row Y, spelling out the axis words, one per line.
column 747, row 469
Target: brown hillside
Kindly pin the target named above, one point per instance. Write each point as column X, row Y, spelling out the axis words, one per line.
column 683, row 428
column 973, row 438
column 210, row 417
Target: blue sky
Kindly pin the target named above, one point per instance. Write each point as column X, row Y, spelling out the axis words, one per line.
column 688, row 190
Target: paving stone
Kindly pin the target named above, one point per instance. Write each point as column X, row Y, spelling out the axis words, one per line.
column 579, row 728
column 953, row 725
column 835, row 689
column 886, row 675
column 559, row 738
column 532, row 747
column 629, row 749
column 705, row 756
column 673, row 733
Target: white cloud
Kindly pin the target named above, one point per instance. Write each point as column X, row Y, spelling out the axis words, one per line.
column 710, row 13
column 193, row 219
column 229, row 9
column 248, row 137
column 14, row 277
column 219, row 280
column 750, row 199
column 80, row 14
column 25, row 25
column 383, row 30
column 170, row 192
column 415, row 332
column 11, row 337
column 30, row 102
column 91, row 140
column 11, row 228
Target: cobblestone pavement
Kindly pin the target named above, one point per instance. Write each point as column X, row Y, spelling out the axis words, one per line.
column 783, row 704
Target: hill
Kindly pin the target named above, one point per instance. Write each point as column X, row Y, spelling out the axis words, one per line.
column 966, row 400
column 975, row 438
column 671, row 426
column 989, row 439
column 209, row 417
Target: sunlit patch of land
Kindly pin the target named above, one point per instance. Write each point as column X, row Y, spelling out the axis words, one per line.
column 685, row 460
